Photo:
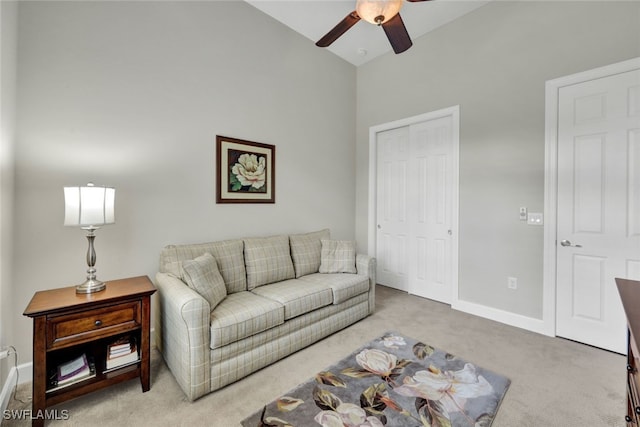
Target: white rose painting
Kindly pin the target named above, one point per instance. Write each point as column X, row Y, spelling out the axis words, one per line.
column 246, row 171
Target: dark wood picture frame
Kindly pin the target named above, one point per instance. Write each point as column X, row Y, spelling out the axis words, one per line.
column 245, row 171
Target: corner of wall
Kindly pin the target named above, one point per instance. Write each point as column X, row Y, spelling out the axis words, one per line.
column 8, row 64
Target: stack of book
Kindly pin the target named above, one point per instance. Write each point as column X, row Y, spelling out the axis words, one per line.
column 71, row 372
column 122, row 352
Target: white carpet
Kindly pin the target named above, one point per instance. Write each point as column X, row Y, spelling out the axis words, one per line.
column 554, row 382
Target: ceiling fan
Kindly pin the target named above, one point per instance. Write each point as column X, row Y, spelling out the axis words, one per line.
column 383, row 13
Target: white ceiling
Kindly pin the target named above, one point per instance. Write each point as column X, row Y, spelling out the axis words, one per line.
column 364, row 41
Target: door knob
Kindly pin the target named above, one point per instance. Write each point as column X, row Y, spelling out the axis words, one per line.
column 568, row 243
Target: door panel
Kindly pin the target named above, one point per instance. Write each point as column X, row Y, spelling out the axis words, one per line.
column 392, row 226
column 589, row 295
column 432, row 152
column 634, row 183
column 598, row 207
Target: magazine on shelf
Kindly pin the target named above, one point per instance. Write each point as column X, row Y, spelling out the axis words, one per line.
column 74, row 371
column 72, row 368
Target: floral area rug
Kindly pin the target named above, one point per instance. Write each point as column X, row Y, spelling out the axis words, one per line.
column 392, row 381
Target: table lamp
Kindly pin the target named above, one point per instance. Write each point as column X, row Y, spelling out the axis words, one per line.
column 90, row 208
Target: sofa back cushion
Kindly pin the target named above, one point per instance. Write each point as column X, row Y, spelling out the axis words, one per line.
column 227, row 253
column 267, row 260
column 305, row 251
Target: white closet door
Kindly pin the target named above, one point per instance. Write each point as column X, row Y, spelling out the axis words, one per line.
column 392, row 205
column 430, row 218
column 415, row 183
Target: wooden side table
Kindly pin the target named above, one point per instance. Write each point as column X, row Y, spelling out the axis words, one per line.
column 67, row 325
column 630, row 294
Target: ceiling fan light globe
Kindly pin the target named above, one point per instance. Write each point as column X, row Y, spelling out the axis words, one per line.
column 378, row 12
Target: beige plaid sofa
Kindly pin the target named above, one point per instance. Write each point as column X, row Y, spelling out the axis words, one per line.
column 283, row 293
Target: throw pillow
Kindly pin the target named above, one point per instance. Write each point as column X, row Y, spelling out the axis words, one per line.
column 338, row 256
column 267, row 260
column 306, row 250
column 202, row 275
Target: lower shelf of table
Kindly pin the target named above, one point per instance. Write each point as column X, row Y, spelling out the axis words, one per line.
column 104, row 379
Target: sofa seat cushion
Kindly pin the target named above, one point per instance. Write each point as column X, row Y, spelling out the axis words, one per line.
column 297, row 296
column 343, row 285
column 241, row 315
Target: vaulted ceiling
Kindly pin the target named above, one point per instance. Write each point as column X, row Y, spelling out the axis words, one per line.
column 364, row 41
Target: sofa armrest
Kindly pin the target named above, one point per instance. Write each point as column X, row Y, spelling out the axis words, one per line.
column 366, row 265
column 183, row 334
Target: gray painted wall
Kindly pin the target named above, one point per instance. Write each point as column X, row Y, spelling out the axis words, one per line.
column 494, row 63
column 132, row 94
column 8, row 40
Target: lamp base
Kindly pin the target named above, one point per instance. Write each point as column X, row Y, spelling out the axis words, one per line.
column 90, row 286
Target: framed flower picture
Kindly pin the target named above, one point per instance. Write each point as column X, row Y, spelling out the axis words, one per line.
column 246, row 171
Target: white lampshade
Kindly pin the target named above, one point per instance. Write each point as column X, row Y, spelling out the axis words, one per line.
column 89, row 206
column 382, row 10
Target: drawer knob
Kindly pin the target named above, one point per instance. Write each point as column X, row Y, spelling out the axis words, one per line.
column 98, row 322
column 630, row 368
column 628, row 419
column 637, row 410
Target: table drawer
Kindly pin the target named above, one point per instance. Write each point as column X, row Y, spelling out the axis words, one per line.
column 75, row 328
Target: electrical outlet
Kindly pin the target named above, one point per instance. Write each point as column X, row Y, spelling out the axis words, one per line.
column 512, row 282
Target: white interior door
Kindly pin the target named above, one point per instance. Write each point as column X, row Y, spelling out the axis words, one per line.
column 430, row 218
column 598, row 221
column 391, row 212
column 416, row 209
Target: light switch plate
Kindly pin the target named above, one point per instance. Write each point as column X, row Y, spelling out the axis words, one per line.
column 523, row 213
column 535, row 219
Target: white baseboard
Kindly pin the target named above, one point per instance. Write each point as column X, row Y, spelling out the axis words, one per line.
column 502, row 316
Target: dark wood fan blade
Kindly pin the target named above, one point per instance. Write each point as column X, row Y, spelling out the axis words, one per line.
column 415, row 1
column 349, row 21
column 397, row 34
